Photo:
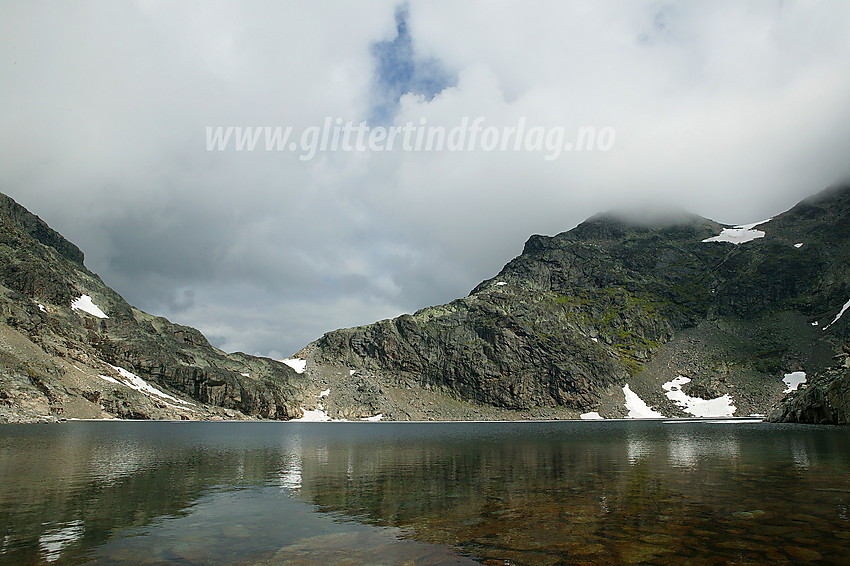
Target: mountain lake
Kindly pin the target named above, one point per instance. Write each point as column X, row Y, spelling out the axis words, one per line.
column 537, row 493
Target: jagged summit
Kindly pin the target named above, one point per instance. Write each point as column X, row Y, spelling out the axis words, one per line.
column 38, row 229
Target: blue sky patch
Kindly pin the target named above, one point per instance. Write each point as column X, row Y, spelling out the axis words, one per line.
column 398, row 71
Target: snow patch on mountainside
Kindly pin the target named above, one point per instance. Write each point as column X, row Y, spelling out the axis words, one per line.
column 696, row 406
column 133, row 381
column 85, row 304
column 739, row 234
column 314, row 416
column 295, row 363
column 843, row 309
column 793, row 380
column 636, row 406
column 107, row 378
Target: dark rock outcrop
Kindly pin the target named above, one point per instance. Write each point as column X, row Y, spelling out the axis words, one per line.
column 823, row 400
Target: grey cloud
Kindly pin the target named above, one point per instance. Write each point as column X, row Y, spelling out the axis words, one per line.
column 732, row 111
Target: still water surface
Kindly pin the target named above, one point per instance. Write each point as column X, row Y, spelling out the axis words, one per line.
column 449, row 493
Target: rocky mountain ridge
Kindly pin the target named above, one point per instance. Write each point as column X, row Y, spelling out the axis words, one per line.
column 62, row 359
column 613, row 302
column 671, row 314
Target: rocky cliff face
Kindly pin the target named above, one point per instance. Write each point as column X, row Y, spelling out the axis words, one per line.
column 825, row 400
column 619, row 301
column 57, row 361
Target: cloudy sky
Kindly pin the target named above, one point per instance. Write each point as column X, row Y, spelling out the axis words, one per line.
column 732, row 110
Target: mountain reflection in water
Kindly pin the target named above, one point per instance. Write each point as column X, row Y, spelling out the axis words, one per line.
column 404, row 493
